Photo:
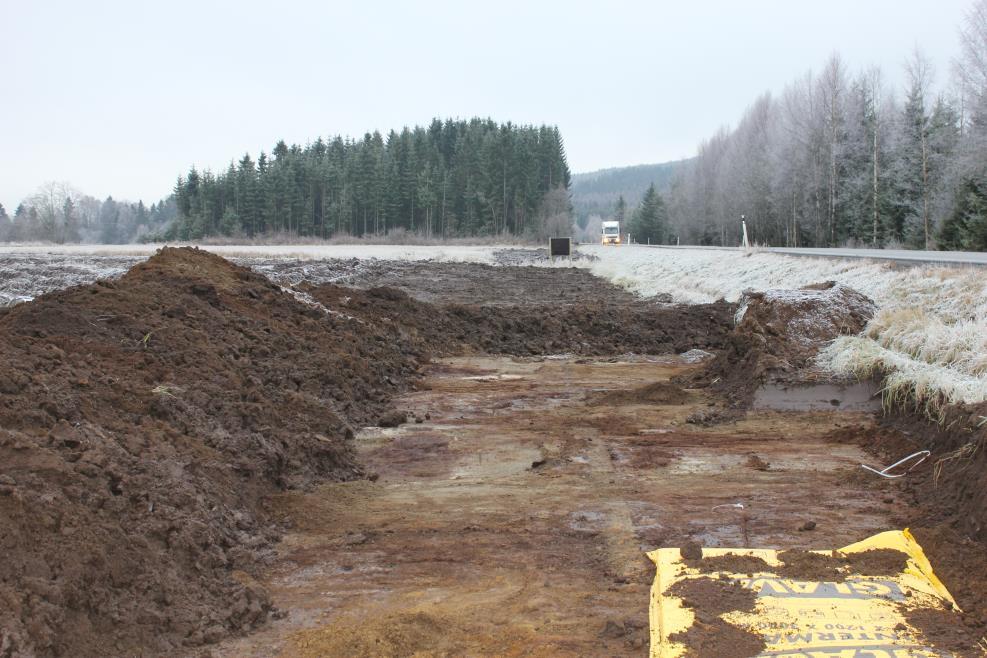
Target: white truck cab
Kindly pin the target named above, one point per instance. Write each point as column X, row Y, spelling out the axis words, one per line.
column 611, row 233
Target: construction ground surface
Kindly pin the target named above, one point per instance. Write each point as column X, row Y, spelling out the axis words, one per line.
column 513, row 521
column 518, row 438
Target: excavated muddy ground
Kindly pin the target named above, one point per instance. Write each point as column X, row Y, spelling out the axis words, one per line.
column 182, row 461
column 514, row 519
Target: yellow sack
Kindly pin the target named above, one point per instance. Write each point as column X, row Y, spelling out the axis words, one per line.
column 848, row 616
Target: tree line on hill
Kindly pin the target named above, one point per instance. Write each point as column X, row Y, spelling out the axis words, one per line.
column 596, row 193
column 840, row 158
column 451, row 178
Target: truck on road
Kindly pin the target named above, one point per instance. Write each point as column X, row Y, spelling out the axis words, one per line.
column 611, row 233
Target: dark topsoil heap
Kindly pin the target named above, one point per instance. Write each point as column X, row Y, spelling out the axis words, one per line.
column 589, row 328
column 144, row 421
column 777, row 337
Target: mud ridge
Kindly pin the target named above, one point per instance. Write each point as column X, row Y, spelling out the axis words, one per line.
column 592, row 328
column 777, row 336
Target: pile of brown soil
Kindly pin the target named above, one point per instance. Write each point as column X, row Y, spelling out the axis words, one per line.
column 592, row 328
column 807, row 565
column 142, row 423
column 710, row 635
column 777, row 336
column 757, row 463
column 731, row 563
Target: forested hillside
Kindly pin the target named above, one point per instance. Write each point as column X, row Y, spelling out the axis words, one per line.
column 597, row 192
column 452, row 178
column 843, row 158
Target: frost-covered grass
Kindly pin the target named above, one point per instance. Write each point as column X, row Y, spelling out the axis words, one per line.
column 928, row 338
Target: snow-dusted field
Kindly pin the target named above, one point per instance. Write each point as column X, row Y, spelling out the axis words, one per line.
column 27, row 271
column 304, row 252
column 929, row 334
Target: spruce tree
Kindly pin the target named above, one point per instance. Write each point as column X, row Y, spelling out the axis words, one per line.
column 966, row 227
column 650, row 221
column 620, row 211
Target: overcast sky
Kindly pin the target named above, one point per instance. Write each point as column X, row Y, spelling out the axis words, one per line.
column 121, row 97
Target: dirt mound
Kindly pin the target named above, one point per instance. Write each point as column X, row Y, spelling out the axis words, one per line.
column 778, row 334
column 594, row 328
column 711, row 635
column 807, row 565
column 962, row 566
column 142, row 423
column 791, row 324
column 453, row 283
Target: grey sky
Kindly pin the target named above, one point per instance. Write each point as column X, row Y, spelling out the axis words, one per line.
column 120, row 97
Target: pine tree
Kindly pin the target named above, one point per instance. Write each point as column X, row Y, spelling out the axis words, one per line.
column 18, row 227
column 620, row 211
column 650, row 221
column 966, row 227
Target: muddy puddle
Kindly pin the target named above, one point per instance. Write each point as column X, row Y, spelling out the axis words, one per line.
column 515, row 518
column 862, row 396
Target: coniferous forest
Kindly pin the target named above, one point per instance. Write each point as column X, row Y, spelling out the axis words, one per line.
column 451, row 178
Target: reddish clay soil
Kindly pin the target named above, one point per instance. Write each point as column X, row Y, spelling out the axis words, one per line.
column 805, row 565
column 462, row 547
column 713, row 597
